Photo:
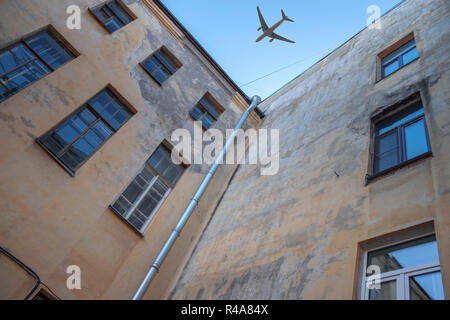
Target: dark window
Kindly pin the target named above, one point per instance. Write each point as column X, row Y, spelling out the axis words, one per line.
column 78, row 137
column 43, row 295
column 112, row 14
column 161, row 65
column 30, row 60
column 207, row 111
column 144, row 195
column 399, row 58
column 400, row 137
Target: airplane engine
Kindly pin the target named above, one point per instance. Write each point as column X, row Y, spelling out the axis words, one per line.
column 271, row 40
column 259, row 28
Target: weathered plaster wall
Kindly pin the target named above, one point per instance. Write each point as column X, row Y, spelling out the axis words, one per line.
column 295, row 235
column 51, row 220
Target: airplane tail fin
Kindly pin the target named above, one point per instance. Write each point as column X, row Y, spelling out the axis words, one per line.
column 285, row 17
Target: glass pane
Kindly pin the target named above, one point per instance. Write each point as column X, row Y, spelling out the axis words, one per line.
column 395, row 54
column 110, row 109
column 161, row 75
column 133, row 191
column 160, row 187
column 163, row 166
column 113, row 24
column 426, row 287
column 49, row 50
column 100, row 101
column 410, row 56
column 166, row 61
column 146, row 174
column 21, row 52
column 119, row 119
column 386, row 151
column 93, row 139
column 210, row 108
column 157, row 156
column 121, row 205
column 22, row 77
column 70, row 130
column 161, row 161
column 207, row 121
column 399, row 118
column 87, row 116
column 38, row 68
column 83, row 148
column 54, row 143
column 390, row 68
column 118, row 11
column 151, row 64
column 197, row 113
column 416, row 141
column 8, row 61
column 153, row 198
column 4, row 93
column 19, row 79
column 388, row 291
column 174, row 173
column 147, row 205
column 137, row 220
column 409, row 254
column 72, row 158
column 386, row 143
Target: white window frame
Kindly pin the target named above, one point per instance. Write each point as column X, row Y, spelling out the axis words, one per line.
column 401, row 276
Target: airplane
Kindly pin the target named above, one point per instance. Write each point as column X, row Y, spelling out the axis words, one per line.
column 269, row 32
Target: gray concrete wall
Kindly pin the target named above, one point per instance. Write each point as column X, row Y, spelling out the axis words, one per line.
column 296, row 235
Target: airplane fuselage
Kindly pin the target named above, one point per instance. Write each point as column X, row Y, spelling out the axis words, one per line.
column 270, row 31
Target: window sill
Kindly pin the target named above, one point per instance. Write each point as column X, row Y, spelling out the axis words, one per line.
column 388, row 172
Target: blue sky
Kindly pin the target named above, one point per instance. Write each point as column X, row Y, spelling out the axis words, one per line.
column 228, row 30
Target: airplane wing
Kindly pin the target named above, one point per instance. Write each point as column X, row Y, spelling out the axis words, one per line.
column 261, row 20
column 278, row 37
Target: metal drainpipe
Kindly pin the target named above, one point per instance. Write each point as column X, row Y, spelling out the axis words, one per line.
column 154, row 268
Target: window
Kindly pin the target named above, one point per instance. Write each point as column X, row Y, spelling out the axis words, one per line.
column 113, row 14
column 400, row 138
column 409, row 271
column 398, row 56
column 73, row 141
column 144, row 195
column 30, row 60
column 207, row 111
column 161, row 65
